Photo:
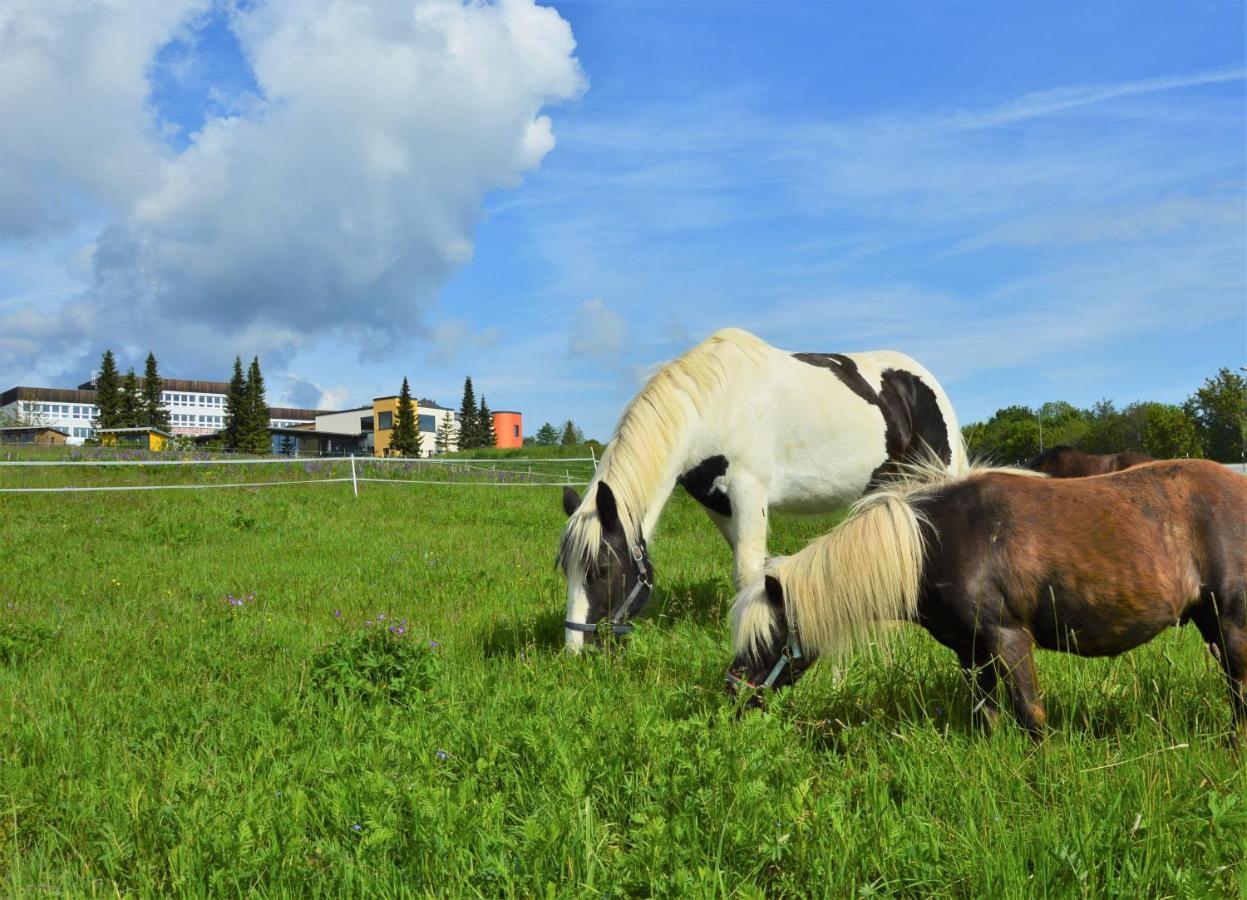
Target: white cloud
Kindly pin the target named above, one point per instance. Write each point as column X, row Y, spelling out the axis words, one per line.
column 598, row 332
column 338, row 202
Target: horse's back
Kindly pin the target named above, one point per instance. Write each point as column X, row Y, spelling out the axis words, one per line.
column 1115, row 557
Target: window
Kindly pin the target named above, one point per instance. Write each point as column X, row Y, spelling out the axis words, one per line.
column 385, row 420
column 517, row 431
column 428, row 423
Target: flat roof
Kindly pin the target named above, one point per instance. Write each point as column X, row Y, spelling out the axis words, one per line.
column 10, row 428
column 139, row 430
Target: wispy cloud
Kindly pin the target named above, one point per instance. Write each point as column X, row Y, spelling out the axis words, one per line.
column 1044, row 103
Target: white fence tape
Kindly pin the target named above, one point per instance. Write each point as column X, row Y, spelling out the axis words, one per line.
column 472, row 465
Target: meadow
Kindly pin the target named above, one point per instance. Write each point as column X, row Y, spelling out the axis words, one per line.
column 295, row 690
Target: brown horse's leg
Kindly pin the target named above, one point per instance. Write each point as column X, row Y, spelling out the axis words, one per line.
column 1227, row 641
column 1015, row 652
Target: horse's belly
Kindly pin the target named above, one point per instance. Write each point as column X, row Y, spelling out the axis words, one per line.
column 1100, row 628
column 812, row 492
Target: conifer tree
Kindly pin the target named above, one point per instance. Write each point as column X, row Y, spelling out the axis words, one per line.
column 131, row 414
column 469, row 420
column 155, row 414
column 571, row 434
column 446, row 434
column 255, row 437
column 107, row 394
column 405, row 438
column 485, row 425
column 235, row 404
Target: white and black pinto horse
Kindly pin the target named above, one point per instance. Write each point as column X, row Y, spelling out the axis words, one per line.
column 743, row 427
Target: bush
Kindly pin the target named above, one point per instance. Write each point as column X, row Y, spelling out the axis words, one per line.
column 380, row 661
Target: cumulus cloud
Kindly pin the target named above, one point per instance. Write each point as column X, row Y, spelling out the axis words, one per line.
column 336, row 201
column 598, row 332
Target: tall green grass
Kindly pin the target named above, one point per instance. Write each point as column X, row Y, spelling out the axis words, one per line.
column 157, row 737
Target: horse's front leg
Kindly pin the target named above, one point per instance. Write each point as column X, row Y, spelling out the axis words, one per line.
column 746, row 530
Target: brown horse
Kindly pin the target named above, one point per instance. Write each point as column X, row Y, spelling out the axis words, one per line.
column 997, row 561
column 1064, row 461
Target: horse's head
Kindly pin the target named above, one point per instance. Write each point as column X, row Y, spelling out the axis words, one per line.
column 767, row 652
column 609, row 573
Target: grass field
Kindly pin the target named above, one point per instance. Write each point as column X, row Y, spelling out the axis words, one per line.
column 192, row 700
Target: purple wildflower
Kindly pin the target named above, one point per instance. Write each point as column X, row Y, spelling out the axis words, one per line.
column 433, row 645
column 442, row 754
column 357, row 827
column 337, row 613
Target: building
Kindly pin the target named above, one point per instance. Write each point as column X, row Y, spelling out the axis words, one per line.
column 195, row 408
column 32, row 434
column 153, row 439
column 508, row 428
column 429, row 418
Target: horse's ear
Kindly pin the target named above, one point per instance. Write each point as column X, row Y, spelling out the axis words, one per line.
column 774, row 591
column 571, row 500
column 608, row 509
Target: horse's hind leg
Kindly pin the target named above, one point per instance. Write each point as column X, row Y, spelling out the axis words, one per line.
column 1225, row 632
column 1015, row 652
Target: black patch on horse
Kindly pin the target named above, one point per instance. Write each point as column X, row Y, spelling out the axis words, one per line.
column 699, row 482
column 846, row 370
column 911, row 414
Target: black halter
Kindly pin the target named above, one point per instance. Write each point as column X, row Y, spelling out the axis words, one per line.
column 792, row 653
column 619, row 618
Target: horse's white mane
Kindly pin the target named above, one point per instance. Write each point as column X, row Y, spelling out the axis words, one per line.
column 635, row 461
column 866, row 570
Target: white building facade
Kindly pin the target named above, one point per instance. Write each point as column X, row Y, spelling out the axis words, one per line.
column 195, row 408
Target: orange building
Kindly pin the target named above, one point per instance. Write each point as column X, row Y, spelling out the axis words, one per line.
column 508, row 428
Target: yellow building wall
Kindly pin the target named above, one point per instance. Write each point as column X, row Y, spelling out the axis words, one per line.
column 381, row 438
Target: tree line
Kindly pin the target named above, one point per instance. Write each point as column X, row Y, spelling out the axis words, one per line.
column 131, row 403
column 550, row 436
column 1211, row 423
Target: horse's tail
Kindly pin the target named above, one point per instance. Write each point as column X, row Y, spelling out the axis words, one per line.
column 866, row 570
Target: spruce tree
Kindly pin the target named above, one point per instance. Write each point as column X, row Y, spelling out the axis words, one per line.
column 107, row 394
column 446, row 434
column 255, row 437
column 468, row 418
column 131, row 415
column 405, row 438
column 485, row 425
column 235, row 404
column 154, row 412
column 571, row 434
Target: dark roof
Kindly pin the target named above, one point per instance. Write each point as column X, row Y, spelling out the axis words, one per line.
column 431, row 404
column 509, row 412
column 24, row 428
column 141, row 430
column 179, row 384
column 292, row 412
column 59, row 395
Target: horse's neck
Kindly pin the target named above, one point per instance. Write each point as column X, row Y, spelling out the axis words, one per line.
column 654, row 498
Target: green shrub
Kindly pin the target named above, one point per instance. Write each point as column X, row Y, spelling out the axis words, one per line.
column 380, row 661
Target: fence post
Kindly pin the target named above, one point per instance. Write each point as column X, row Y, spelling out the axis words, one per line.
column 354, row 483
column 594, row 456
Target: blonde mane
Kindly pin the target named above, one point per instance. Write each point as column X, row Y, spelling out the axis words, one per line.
column 866, row 570
column 635, row 461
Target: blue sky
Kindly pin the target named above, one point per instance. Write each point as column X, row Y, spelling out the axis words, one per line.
column 1038, row 201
